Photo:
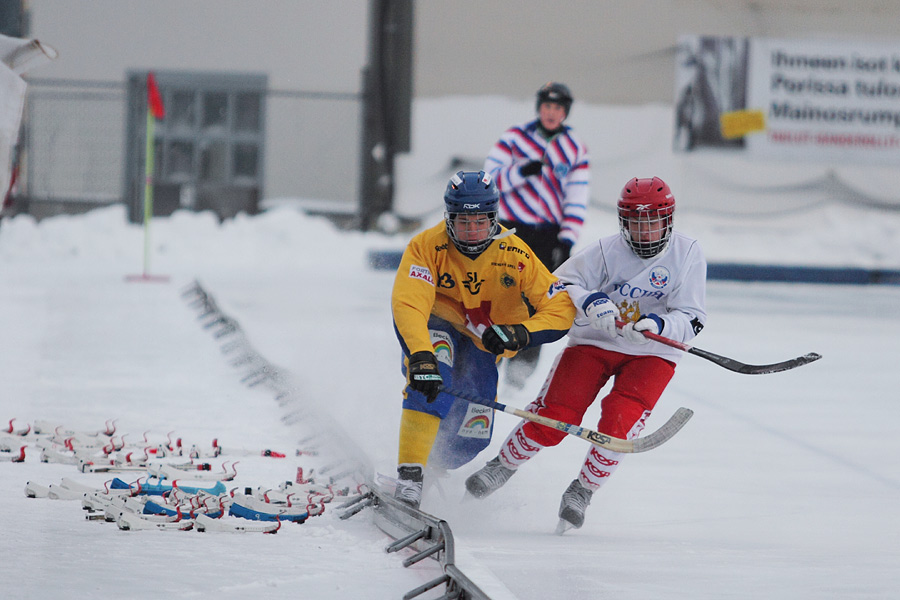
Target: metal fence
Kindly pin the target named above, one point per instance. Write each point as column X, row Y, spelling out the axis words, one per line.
column 72, row 147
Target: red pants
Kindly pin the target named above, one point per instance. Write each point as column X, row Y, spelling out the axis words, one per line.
column 579, row 375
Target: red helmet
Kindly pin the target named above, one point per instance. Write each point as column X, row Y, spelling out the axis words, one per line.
column 645, row 208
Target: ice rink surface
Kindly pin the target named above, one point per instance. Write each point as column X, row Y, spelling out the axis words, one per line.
column 782, row 486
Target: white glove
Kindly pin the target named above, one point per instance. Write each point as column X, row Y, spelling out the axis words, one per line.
column 602, row 314
column 632, row 331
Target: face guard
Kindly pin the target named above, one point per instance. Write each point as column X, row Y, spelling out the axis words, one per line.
column 471, row 202
column 646, row 208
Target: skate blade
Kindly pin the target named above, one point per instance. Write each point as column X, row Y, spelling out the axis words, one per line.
column 467, row 498
column 563, row 526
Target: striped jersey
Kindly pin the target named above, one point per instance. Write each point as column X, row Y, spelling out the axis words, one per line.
column 504, row 285
column 559, row 196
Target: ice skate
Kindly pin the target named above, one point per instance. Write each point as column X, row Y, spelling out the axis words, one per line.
column 409, row 485
column 562, row 527
column 488, row 479
column 575, row 501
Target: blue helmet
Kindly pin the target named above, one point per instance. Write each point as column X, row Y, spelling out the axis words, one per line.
column 470, row 193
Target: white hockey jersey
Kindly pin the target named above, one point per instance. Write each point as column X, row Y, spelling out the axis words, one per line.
column 671, row 284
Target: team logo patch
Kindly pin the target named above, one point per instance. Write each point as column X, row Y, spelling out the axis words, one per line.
column 520, row 267
column 555, row 288
column 659, row 277
column 561, row 170
column 507, row 281
column 443, row 346
column 477, row 422
column 423, row 273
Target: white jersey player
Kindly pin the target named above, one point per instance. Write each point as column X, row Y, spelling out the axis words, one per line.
column 651, row 278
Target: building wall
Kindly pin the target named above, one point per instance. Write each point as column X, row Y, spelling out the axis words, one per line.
column 301, row 44
column 608, row 51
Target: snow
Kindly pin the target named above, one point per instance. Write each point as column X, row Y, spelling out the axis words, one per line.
column 781, row 486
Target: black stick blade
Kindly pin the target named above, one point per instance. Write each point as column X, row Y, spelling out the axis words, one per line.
column 745, row 369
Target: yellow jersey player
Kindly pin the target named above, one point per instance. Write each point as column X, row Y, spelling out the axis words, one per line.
column 467, row 292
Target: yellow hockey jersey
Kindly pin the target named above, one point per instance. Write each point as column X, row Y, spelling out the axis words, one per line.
column 505, row 285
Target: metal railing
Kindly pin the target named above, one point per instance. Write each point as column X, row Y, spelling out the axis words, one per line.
column 427, row 535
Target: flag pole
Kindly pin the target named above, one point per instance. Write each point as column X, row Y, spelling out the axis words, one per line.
column 148, row 187
column 155, row 110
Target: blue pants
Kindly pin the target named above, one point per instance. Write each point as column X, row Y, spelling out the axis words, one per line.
column 465, row 428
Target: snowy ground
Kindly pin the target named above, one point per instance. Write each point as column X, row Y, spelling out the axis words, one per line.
column 782, row 486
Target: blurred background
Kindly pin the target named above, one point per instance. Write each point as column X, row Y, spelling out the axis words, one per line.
column 360, row 109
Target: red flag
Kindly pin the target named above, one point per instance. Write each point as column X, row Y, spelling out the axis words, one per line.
column 154, row 99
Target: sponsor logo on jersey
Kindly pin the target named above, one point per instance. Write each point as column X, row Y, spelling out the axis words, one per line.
column 659, row 277
column 508, row 248
column 440, row 248
column 696, row 325
column 476, row 423
column 555, row 288
column 507, row 281
column 443, row 346
column 423, row 273
column 520, row 267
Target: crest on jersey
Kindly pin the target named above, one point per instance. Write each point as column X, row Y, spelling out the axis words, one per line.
column 561, row 170
column 507, row 281
column 659, row 277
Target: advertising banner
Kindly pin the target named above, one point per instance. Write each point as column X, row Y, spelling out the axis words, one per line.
column 789, row 99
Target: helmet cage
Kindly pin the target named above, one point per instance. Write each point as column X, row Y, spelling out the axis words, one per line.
column 471, row 195
column 463, row 242
column 646, row 210
column 656, row 224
